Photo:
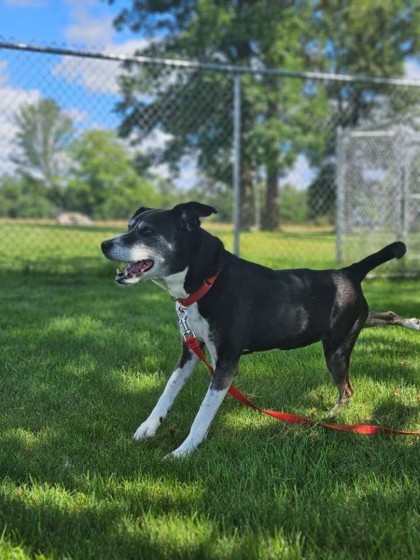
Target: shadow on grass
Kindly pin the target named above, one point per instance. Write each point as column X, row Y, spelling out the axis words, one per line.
column 90, row 325
column 84, row 361
column 390, row 413
column 327, row 487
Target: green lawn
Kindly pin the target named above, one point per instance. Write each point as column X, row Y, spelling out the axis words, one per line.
column 84, row 361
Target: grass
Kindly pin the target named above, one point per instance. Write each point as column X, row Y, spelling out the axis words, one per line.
column 85, row 361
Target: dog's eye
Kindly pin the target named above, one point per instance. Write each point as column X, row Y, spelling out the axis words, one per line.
column 146, row 230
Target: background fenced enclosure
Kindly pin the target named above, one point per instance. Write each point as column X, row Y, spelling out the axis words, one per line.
column 378, row 194
column 325, row 168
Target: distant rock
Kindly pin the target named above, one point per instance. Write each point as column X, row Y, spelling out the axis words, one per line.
column 73, row 219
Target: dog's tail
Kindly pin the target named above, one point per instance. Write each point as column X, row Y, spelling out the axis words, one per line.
column 394, row 251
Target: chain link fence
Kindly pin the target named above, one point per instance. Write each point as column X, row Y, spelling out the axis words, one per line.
column 301, row 166
column 378, row 194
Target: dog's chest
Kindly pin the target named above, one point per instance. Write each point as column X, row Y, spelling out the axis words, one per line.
column 196, row 323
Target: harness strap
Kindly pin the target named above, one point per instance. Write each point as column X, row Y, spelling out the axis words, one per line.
column 366, row 429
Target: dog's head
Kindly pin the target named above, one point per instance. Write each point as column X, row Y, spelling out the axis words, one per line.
column 157, row 242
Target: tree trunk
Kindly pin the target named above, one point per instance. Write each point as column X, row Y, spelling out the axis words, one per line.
column 271, row 219
column 247, row 197
column 247, row 169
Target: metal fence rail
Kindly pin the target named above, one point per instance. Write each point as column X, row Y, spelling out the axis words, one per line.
column 87, row 137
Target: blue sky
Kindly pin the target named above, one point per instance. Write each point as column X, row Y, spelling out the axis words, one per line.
column 73, row 22
column 85, row 89
column 78, row 23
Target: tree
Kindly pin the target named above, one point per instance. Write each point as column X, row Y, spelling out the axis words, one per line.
column 321, row 194
column 370, row 38
column 216, row 194
column 238, row 32
column 21, row 198
column 104, row 183
column 293, row 204
column 44, row 136
column 280, row 117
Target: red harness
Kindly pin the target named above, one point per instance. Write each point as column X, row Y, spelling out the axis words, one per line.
column 194, row 345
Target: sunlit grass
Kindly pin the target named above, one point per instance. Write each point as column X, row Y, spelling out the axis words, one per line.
column 39, row 245
column 83, row 363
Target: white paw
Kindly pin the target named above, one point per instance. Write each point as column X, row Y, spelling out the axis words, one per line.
column 147, row 429
column 182, row 451
column 333, row 412
column 413, row 324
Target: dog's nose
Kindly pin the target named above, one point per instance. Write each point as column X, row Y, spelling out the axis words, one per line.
column 106, row 245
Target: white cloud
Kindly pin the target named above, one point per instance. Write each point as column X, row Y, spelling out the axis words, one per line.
column 156, row 140
column 188, row 175
column 85, row 27
column 11, row 100
column 77, row 115
column 99, row 76
column 90, row 26
column 412, row 69
column 301, row 175
column 4, row 75
column 188, row 169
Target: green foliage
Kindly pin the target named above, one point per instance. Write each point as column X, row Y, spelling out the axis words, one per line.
column 281, row 118
column 293, row 205
column 369, row 39
column 24, row 198
column 44, row 135
column 104, row 183
column 238, row 33
column 94, row 174
column 322, row 194
column 215, row 194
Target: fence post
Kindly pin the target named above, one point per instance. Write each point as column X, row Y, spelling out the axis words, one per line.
column 339, row 209
column 236, row 163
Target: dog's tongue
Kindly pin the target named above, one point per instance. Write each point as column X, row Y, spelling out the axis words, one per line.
column 138, row 267
column 135, row 269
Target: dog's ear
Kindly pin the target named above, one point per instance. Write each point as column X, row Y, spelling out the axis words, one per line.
column 136, row 214
column 190, row 213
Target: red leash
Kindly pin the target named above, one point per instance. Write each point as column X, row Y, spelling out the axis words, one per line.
column 365, row 429
column 194, row 345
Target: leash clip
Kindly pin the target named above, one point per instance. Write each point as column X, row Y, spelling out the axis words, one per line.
column 182, row 313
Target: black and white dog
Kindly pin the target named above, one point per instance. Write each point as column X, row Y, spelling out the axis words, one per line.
column 249, row 307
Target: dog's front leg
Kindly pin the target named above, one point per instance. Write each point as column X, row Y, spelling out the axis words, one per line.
column 219, row 386
column 179, row 377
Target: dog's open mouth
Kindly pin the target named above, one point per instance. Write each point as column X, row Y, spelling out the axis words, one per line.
column 134, row 271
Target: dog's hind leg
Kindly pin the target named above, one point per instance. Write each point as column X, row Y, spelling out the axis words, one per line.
column 337, row 356
column 219, row 386
column 179, row 377
column 389, row 318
